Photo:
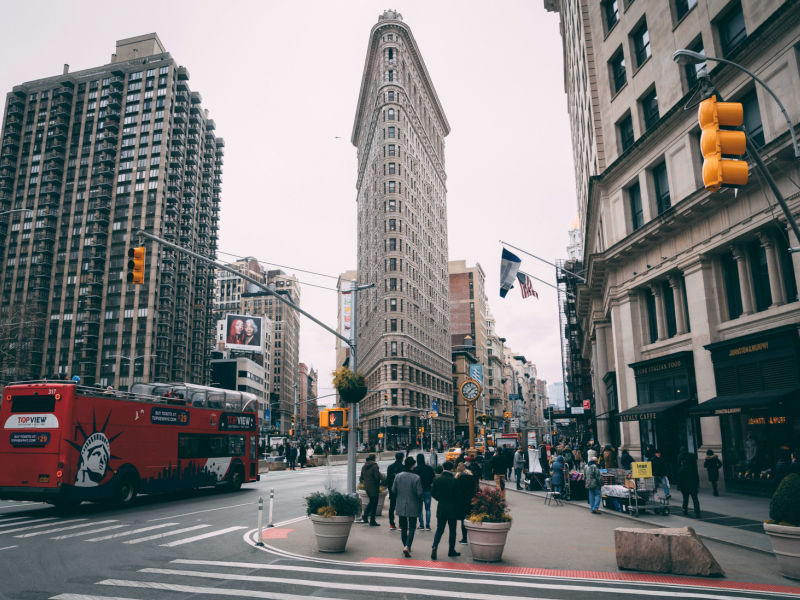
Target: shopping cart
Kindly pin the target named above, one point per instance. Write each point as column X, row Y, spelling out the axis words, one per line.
column 643, row 496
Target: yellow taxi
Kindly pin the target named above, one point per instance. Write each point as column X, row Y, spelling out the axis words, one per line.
column 452, row 454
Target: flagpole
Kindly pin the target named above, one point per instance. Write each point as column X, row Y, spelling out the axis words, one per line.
column 544, row 261
column 546, row 283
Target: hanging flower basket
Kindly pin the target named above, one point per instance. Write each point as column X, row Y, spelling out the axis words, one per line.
column 352, row 387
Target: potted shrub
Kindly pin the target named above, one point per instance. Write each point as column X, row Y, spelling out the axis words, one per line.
column 783, row 527
column 352, row 387
column 332, row 514
column 382, row 493
column 487, row 525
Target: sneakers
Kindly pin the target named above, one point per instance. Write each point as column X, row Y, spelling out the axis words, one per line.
column 392, row 528
column 427, row 529
column 374, row 524
column 462, row 542
column 453, row 553
column 433, row 553
column 406, row 552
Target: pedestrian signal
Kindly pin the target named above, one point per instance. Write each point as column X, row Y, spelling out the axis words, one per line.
column 716, row 143
column 136, row 265
column 333, row 418
column 507, row 414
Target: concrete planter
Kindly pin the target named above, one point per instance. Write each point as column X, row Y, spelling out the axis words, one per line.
column 331, row 532
column 786, row 545
column 362, row 495
column 487, row 540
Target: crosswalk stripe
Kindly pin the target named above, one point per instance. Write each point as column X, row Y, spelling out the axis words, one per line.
column 213, row 591
column 89, row 532
column 429, row 592
column 124, row 533
column 203, row 536
column 6, row 524
column 57, row 529
column 4, row 520
column 167, row 534
column 37, row 526
column 87, row 597
column 8, row 548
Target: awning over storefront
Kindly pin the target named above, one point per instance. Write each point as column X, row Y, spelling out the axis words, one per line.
column 736, row 403
column 649, row 412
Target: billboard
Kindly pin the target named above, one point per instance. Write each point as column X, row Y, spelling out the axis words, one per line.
column 244, row 333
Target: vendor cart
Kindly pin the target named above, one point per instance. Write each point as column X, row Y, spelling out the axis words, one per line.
column 644, row 496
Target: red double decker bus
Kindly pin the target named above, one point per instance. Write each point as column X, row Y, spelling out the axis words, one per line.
column 63, row 443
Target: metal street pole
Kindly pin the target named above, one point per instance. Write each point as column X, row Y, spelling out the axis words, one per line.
column 294, row 413
column 131, row 365
column 352, row 435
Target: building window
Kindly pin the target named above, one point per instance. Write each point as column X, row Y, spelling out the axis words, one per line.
column 625, row 131
column 641, row 43
column 393, row 304
column 635, row 200
column 695, row 71
column 682, row 7
column 661, row 185
column 391, row 147
column 392, row 187
column 731, row 29
column 652, row 319
column 390, row 114
column 392, row 244
column 394, row 368
column 752, row 118
column 616, row 67
column 730, row 278
column 392, row 225
column 649, row 104
column 392, row 168
column 760, row 275
column 669, row 309
column 611, row 13
column 390, row 51
column 391, row 75
column 393, row 325
column 391, row 133
column 394, row 348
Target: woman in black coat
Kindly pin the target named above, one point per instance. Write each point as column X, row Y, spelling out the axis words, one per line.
column 689, row 482
column 467, row 488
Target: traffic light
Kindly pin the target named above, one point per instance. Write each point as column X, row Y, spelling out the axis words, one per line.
column 716, row 143
column 136, row 265
column 291, row 432
column 292, row 419
column 333, row 418
column 422, row 430
column 507, row 414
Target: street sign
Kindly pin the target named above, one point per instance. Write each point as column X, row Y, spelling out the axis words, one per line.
column 435, row 406
column 515, row 422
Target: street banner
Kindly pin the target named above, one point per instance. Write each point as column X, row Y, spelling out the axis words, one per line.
column 509, row 265
column 526, row 286
column 244, row 333
column 347, row 315
column 641, row 470
column 476, row 372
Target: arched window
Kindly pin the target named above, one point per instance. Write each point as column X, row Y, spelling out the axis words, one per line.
column 391, row 114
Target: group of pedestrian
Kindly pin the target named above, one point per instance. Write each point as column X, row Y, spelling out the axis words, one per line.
column 412, row 484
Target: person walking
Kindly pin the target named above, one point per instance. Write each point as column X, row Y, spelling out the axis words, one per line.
column 609, row 457
column 593, row 482
column 445, row 490
column 371, row 478
column 407, row 489
column 689, row 482
column 660, row 472
column 557, row 476
column 712, row 466
column 543, row 460
column 292, row 457
column 467, row 489
column 498, row 468
column 302, row 457
column 508, row 455
column 394, row 469
column 519, row 465
column 626, row 460
column 426, row 475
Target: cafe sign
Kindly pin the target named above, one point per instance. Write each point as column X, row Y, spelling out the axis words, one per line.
column 646, row 416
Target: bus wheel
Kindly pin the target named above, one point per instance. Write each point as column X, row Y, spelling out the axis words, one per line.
column 125, row 490
column 236, row 479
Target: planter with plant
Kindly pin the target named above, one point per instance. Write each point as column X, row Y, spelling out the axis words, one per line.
column 332, row 514
column 488, row 524
column 783, row 527
column 351, row 386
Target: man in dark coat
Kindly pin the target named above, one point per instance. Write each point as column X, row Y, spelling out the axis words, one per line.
column 467, row 488
column 448, row 508
column 371, row 478
column 394, row 469
column 292, row 456
column 498, row 464
column 302, row 456
column 689, row 482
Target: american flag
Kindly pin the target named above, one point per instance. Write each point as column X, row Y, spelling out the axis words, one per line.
column 526, row 286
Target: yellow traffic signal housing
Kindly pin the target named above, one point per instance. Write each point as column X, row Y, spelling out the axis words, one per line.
column 291, row 432
column 136, row 265
column 333, row 418
column 716, row 142
column 507, row 414
column 292, row 419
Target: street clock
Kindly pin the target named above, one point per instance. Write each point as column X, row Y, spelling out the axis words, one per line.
column 470, row 389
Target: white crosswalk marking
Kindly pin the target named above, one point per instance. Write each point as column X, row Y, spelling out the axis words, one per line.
column 57, row 529
column 4, row 520
column 88, row 597
column 37, row 526
column 6, row 524
column 125, row 533
column 89, row 532
column 192, row 589
column 167, row 534
column 203, row 536
column 8, row 548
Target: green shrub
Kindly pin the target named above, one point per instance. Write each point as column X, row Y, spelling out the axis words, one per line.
column 488, row 506
column 341, row 504
column 784, row 508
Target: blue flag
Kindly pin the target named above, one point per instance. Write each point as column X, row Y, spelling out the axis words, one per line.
column 509, row 265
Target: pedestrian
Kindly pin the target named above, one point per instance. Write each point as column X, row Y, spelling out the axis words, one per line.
column 371, row 478
column 609, row 457
column 302, row 456
column 426, row 475
column 394, row 469
column 649, row 453
column 712, row 465
column 689, row 482
column 591, row 454
column 568, row 457
column 543, row 460
column 292, row 457
column 660, row 472
column 434, row 458
column 445, row 490
column 407, row 489
column 557, row 476
column 508, row 456
column 593, row 482
column 467, row 489
column 498, row 468
column 519, row 465
column 626, row 460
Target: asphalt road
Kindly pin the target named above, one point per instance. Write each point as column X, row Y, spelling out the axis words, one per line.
column 201, row 546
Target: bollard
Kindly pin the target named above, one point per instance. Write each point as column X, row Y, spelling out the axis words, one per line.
column 271, row 502
column 260, row 521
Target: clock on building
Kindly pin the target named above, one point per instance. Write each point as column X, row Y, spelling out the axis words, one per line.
column 470, row 389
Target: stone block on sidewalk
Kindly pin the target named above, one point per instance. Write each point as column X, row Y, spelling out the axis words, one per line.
column 676, row 550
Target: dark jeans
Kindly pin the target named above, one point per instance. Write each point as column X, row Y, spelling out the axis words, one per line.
column 518, row 475
column 408, row 525
column 695, row 501
column 440, row 524
column 372, row 507
column 714, row 486
column 291, row 464
column 392, row 505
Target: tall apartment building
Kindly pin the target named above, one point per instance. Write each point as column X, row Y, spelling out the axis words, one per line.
column 690, row 312
column 229, row 287
column 88, row 158
column 404, row 321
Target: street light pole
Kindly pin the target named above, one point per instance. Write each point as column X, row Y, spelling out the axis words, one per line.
column 385, row 403
column 131, row 364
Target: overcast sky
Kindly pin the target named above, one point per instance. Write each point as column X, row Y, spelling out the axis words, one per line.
column 281, row 80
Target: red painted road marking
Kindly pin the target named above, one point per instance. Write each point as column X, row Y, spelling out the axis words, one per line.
column 276, row 533
column 598, row 575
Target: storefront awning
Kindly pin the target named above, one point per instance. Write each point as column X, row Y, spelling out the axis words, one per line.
column 649, row 412
column 736, row 403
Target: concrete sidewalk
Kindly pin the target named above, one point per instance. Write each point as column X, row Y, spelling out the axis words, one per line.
column 566, row 537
